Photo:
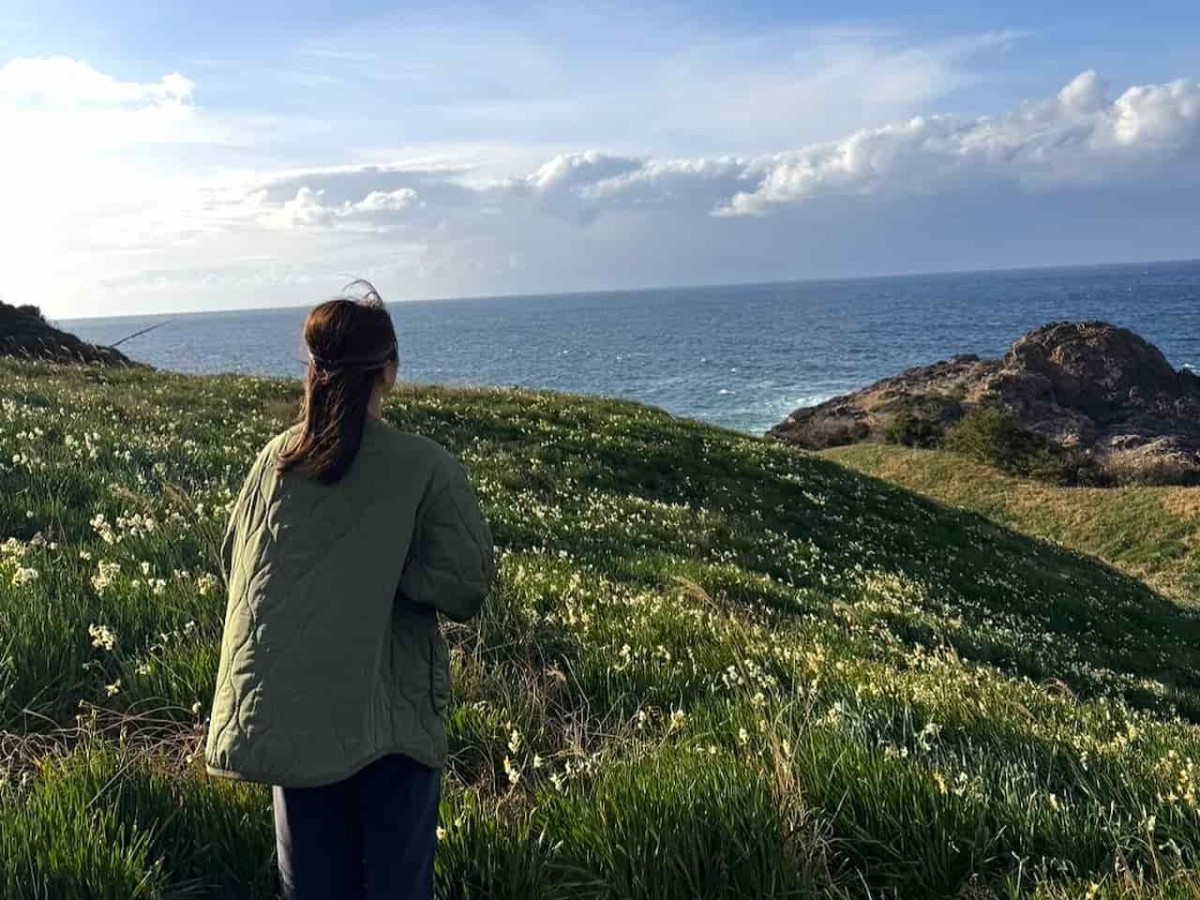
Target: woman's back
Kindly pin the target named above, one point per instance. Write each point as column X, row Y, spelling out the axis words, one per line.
column 331, row 656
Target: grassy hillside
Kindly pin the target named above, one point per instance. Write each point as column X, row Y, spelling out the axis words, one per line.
column 1152, row 533
column 711, row 667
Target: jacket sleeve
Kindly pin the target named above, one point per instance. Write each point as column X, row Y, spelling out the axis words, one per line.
column 450, row 562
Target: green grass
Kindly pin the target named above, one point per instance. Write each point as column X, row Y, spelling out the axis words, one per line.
column 711, row 666
column 1151, row 533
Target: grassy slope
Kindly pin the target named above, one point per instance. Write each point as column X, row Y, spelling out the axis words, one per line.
column 711, row 667
column 1152, row 533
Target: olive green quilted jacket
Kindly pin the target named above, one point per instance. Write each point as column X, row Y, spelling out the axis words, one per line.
column 331, row 655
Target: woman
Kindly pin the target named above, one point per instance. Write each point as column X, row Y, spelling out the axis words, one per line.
column 347, row 539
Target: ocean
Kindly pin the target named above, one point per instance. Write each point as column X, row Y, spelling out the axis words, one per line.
column 740, row 356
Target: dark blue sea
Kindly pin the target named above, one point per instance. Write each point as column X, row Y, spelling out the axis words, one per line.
column 740, row 356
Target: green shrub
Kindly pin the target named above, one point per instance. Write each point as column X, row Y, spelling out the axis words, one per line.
column 911, row 430
column 921, row 422
column 993, row 435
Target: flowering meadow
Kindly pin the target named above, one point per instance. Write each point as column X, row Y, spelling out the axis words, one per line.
column 711, row 666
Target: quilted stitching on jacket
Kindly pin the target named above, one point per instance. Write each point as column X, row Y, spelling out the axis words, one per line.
column 331, row 655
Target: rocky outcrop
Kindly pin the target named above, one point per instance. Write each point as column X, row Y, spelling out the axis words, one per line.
column 25, row 334
column 1089, row 387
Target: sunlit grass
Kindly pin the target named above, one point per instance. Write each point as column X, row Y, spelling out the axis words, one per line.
column 711, row 666
column 1153, row 533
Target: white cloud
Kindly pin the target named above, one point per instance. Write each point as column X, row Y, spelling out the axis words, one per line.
column 1084, row 94
column 309, row 210
column 1074, row 140
column 59, row 81
column 567, row 172
column 58, row 111
column 386, row 201
column 305, row 210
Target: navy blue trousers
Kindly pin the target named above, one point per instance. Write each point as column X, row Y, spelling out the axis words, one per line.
column 370, row 837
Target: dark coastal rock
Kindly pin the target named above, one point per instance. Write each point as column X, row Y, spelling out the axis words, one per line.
column 1086, row 387
column 24, row 333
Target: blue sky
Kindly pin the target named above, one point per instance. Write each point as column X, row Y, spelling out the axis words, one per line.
column 184, row 156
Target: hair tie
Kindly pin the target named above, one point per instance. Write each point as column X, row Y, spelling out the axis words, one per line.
column 319, row 369
column 326, row 369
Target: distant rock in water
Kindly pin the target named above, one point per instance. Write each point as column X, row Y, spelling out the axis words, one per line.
column 25, row 333
column 1088, row 388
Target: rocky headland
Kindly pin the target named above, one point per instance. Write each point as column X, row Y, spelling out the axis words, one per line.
column 25, row 333
column 1088, row 389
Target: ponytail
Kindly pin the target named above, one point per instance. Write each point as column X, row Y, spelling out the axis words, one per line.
column 350, row 343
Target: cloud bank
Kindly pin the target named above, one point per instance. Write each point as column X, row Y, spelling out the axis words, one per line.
column 1077, row 139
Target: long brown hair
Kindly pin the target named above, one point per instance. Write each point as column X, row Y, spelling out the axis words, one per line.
column 350, row 342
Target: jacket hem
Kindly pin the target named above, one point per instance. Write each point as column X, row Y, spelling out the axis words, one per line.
column 290, row 781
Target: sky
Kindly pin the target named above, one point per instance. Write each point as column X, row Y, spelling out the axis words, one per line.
column 168, row 157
